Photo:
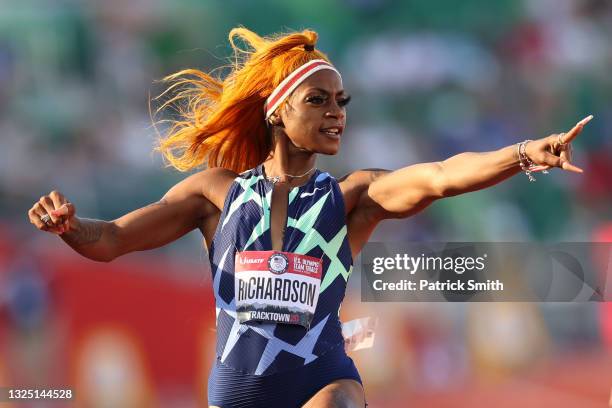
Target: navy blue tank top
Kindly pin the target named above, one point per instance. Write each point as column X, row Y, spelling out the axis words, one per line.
column 316, row 226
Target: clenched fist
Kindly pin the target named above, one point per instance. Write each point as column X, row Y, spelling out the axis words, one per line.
column 53, row 213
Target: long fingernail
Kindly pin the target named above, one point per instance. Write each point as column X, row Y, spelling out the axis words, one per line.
column 586, row 120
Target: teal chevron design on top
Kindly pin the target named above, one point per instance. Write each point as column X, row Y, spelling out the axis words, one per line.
column 312, row 238
column 264, row 223
column 305, row 223
column 246, row 195
column 307, row 220
column 249, row 194
column 292, row 194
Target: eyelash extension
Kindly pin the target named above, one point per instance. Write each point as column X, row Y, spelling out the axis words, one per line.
column 341, row 102
column 321, row 99
column 345, row 101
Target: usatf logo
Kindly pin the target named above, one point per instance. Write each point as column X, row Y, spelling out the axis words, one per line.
column 277, row 263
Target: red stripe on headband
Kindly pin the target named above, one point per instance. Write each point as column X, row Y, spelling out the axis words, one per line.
column 300, row 73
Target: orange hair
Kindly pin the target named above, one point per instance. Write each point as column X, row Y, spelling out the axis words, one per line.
column 221, row 121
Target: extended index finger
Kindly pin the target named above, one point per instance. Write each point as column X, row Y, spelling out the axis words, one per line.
column 571, row 135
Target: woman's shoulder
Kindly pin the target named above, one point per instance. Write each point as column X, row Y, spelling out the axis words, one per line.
column 215, row 176
column 213, row 183
column 220, row 173
column 353, row 185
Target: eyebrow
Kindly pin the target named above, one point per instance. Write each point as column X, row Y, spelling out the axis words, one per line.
column 342, row 91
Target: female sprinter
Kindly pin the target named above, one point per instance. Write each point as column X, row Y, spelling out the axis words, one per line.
column 281, row 234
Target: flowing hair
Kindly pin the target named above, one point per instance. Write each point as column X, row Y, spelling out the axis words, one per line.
column 221, row 121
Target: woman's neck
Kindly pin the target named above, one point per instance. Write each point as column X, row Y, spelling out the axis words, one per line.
column 289, row 163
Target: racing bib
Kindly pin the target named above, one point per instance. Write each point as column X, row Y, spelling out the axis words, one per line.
column 277, row 287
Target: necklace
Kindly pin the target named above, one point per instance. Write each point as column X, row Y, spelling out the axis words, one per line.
column 276, row 179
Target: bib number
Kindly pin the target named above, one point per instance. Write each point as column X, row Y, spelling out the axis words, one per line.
column 277, row 287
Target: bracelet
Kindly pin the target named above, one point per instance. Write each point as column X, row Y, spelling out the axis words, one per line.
column 524, row 160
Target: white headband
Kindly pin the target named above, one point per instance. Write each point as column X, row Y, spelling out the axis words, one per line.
column 292, row 81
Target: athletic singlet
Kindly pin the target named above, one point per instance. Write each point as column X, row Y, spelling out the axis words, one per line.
column 253, row 351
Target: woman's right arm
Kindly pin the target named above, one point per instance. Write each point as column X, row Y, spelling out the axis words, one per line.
column 183, row 208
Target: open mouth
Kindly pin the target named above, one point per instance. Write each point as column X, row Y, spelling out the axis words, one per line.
column 333, row 131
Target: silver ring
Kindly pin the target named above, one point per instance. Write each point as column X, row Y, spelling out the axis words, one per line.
column 46, row 219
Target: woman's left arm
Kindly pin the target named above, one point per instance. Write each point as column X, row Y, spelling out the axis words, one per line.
column 401, row 193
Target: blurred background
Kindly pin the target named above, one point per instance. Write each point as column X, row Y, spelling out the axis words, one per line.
column 428, row 80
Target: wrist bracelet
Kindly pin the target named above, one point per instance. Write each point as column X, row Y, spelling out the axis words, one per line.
column 524, row 161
